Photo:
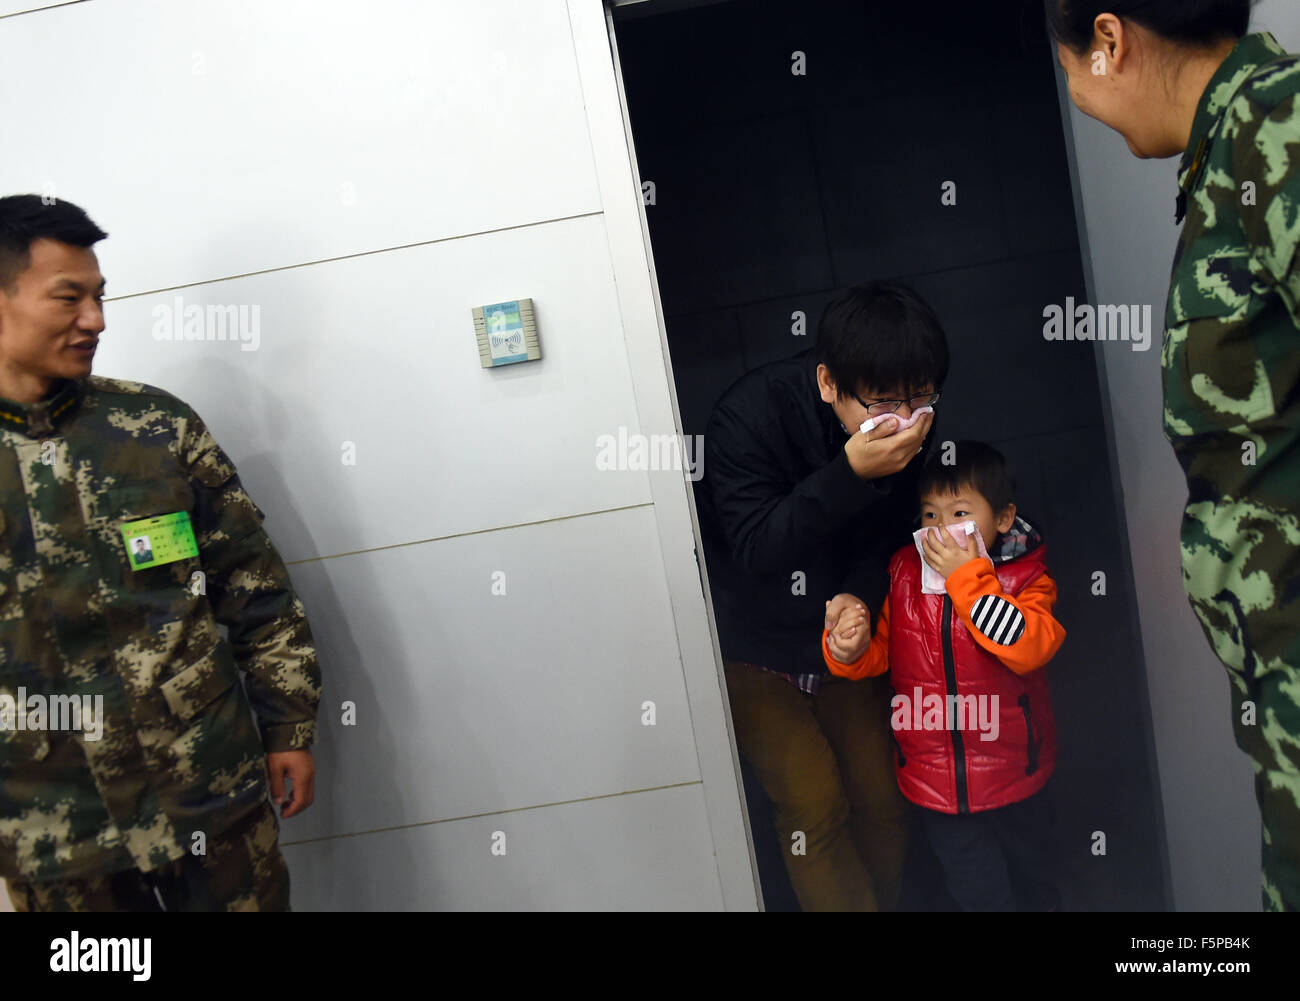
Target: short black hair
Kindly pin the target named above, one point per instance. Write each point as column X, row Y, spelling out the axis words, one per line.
column 24, row 218
column 883, row 336
column 977, row 465
column 1191, row 22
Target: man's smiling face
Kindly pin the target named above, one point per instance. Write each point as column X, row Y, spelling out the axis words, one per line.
column 50, row 320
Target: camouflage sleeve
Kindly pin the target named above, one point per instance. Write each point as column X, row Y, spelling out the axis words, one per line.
column 1266, row 155
column 249, row 590
column 1229, row 367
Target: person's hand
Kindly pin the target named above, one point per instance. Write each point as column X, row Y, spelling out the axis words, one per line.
column 849, row 640
column 884, row 450
column 942, row 552
column 840, row 604
column 300, row 768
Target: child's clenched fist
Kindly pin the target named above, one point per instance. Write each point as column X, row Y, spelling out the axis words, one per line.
column 850, row 636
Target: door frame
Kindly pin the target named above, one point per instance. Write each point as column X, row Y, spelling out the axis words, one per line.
column 641, row 311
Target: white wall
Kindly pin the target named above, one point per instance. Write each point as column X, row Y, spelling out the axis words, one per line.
column 1211, row 818
column 365, row 174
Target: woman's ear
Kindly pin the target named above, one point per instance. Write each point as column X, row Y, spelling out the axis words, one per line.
column 1006, row 519
column 1110, row 39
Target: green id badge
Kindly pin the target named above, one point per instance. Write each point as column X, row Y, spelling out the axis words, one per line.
column 166, row 538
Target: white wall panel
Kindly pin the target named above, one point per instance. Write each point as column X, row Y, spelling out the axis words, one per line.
column 379, row 350
column 469, row 701
column 221, row 137
column 483, row 143
column 8, row 7
column 647, row 346
column 648, row 851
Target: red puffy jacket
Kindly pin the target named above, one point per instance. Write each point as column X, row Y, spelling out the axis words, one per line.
column 986, row 637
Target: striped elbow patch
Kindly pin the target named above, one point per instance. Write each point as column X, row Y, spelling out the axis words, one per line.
column 998, row 619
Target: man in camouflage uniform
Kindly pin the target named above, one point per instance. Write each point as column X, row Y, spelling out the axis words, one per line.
column 1231, row 369
column 169, row 805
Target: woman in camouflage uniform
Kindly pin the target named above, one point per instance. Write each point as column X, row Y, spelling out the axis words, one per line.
column 1184, row 77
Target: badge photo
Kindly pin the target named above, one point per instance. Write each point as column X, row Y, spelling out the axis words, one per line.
column 166, row 538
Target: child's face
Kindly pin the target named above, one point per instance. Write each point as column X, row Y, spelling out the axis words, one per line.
column 967, row 504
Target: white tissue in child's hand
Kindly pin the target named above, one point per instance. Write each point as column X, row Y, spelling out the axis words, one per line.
column 872, row 422
column 931, row 579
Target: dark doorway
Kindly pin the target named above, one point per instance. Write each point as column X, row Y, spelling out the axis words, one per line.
column 774, row 189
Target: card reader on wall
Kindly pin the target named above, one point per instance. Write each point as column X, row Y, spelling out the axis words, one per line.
column 507, row 333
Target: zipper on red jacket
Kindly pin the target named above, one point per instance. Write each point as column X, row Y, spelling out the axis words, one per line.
column 1029, row 728
column 950, row 674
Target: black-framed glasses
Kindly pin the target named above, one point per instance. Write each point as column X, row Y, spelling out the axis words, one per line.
column 879, row 407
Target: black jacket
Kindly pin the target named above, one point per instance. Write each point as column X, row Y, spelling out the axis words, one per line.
column 778, row 498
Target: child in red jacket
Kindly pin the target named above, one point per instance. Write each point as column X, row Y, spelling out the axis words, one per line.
column 971, row 714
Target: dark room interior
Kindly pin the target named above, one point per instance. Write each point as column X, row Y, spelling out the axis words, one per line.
column 774, row 189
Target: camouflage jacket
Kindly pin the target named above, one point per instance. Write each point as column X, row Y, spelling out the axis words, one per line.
column 1231, row 360
column 174, row 749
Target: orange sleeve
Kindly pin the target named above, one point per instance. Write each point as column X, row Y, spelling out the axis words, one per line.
column 1019, row 630
column 874, row 660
